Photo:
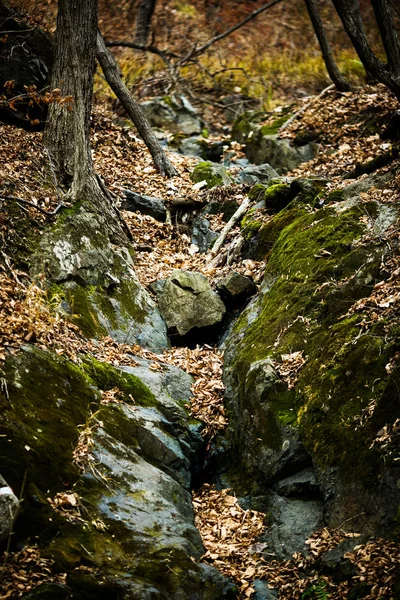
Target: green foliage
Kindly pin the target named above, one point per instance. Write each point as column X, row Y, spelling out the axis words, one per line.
column 316, row 591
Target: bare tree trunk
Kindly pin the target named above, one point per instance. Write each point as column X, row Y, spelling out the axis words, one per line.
column 336, row 76
column 384, row 16
column 67, row 132
column 139, row 119
column 349, row 13
column 143, row 21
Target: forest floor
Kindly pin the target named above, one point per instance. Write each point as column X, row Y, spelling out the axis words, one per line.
column 27, row 315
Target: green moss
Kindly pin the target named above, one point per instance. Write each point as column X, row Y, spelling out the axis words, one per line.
column 278, row 195
column 257, row 192
column 106, row 377
column 49, row 398
column 315, row 273
column 336, row 196
column 274, row 127
column 212, row 173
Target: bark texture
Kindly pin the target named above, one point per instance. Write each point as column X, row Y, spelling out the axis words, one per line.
column 67, row 134
column 139, row 119
column 349, row 13
column 143, row 21
column 336, row 76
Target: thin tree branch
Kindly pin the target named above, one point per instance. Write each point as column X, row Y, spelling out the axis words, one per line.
column 196, row 51
column 49, row 213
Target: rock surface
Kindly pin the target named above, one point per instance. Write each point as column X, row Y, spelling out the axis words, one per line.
column 174, row 114
column 187, row 302
column 213, row 173
column 281, row 425
column 202, row 236
column 135, row 480
column 97, row 283
column 147, row 205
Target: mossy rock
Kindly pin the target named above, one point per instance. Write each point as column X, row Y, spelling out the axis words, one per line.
column 316, row 271
column 213, row 173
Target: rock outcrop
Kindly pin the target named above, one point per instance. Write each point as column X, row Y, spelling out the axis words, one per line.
column 310, row 379
column 123, row 466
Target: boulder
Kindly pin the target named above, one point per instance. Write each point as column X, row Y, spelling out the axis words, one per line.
column 263, row 144
column 257, row 174
column 187, row 302
column 9, row 506
column 213, row 173
column 319, row 266
column 147, row 205
column 135, row 531
column 174, row 114
column 293, row 521
column 95, row 282
column 279, row 153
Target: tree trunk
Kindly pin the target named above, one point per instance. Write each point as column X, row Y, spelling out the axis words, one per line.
column 349, row 13
column 143, row 21
column 390, row 39
column 139, row 119
column 336, row 76
column 67, row 132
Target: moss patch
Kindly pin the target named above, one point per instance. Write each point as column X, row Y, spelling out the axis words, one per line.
column 315, row 273
column 214, row 174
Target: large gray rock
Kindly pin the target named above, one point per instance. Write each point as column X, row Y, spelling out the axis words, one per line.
column 174, row 114
column 97, row 283
column 293, row 521
column 258, row 174
column 137, row 532
column 306, row 328
column 187, row 302
column 9, row 506
column 278, row 153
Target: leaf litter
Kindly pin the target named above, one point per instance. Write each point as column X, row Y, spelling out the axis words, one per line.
column 230, row 533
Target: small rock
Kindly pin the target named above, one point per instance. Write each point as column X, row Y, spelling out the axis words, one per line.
column 303, row 483
column 202, row 236
column 213, row 173
column 147, row 205
column 9, row 505
column 263, row 591
column 236, row 287
column 175, row 114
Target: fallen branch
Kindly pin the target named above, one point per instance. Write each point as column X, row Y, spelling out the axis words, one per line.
column 230, row 224
column 303, row 109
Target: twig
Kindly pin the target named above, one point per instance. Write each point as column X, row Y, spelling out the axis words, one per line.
column 49, row 213
column 305, row 107
column 230, row 224
column 196, row 51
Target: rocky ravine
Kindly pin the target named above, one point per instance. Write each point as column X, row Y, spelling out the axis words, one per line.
column 95, row 432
